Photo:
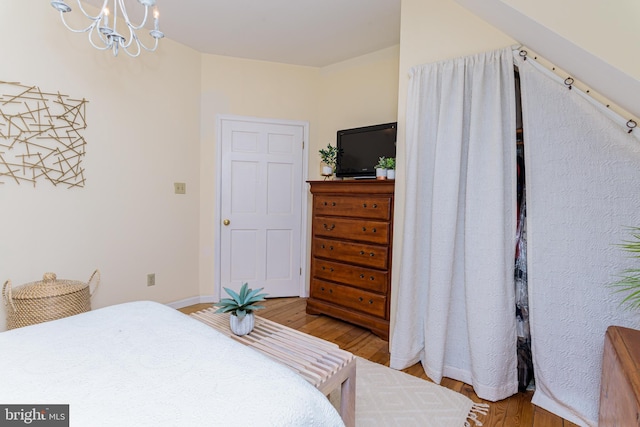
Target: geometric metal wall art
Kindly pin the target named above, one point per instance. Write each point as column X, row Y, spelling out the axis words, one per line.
column 41, row 136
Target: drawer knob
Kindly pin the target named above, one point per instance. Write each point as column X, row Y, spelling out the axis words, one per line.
column 371, row 254
column 370, row 301
column 330, row 248
column 322, row 288
column 372, row 278
column 322, row 246
column 333, row 203
column 323, row 267
column 362, row 276
column 331, row 269
column 364, row 228
column 364, row 205
column 330, row 291
column 329, row 228
column 374, row 230
column 360, row 299
column 361, row 252
column 375, row 205
column 325, row 203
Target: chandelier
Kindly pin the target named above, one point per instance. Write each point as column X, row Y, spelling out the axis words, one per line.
column 103, row 31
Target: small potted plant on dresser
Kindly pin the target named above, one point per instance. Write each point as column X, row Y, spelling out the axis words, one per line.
column 390, row 164
column 329, row 159
column 241, row 306
column 381, row 168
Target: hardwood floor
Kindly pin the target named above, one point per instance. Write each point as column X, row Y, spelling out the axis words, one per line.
column 516, row 411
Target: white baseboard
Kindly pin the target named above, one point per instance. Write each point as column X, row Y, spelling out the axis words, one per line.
column 203, row 299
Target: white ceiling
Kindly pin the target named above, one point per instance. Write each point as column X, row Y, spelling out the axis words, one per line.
column 302, row 32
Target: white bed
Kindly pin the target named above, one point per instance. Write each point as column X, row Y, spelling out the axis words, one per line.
column 145, row 364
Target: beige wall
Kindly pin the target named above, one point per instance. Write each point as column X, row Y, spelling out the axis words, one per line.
column 607, row 29
column 247, row 88
column 142, row 135
column 151, row 122
column 357, row 92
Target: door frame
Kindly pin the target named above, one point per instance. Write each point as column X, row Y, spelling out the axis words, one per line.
column 217, row 216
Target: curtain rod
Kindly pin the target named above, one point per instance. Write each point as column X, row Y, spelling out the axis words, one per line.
column 629, row 122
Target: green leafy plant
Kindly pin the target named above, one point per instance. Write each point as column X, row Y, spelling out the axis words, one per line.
column 629, row 282
column 242, row 303
column 382, row 163
column 390, row 163
column 329, row 155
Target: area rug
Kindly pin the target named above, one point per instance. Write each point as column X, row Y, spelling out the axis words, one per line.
column 386, row 397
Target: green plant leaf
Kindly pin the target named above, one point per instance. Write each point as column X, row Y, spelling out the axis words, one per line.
column 233, row 294
column 254, row 293
column 241, row 303
column 629, row 280
column 243, row 292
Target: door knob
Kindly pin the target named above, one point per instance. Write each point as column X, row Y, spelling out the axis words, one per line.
column 226, row 222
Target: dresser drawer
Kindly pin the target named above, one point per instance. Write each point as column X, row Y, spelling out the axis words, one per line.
column 353, row 298
column 361, row 277
column 354, row 253
column 352, row 229
column 360, row 207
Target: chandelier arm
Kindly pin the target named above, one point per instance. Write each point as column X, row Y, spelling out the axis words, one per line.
column 130, row 40
column 106, row 46
column 153, row 49
column 141, row 44
column 83, row 30
column 125, row 15
column 130, row 53
column 93, row 18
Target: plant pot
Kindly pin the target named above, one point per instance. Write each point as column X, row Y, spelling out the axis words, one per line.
column 391, row 173
column 381, row 173
column 241, row 326
column 327, row 171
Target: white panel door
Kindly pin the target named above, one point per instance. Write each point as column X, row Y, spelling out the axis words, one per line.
column 261, row 206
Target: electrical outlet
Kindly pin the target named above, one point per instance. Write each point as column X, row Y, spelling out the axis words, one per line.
column 180, row 187
column 151, row 279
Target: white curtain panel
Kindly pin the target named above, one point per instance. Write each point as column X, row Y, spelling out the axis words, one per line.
column 456, row 307
column 583, row 189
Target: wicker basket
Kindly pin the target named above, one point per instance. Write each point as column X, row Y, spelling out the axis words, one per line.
column 49, row 299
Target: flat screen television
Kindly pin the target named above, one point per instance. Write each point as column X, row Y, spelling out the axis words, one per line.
column 360, row 148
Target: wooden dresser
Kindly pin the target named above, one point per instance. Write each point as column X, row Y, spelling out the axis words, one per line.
column 620, row 385
column 352, row 234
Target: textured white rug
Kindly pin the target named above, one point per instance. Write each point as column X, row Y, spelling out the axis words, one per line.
column 386, row 397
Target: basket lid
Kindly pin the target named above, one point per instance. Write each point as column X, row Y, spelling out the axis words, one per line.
column 49, row 286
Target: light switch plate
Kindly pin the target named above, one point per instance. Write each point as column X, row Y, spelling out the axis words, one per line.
column 180, row 187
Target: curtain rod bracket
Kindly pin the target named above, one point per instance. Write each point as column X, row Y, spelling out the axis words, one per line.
column 568, row 82
column 631, row 124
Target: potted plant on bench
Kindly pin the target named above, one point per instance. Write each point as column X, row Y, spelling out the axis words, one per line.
column 241, row 306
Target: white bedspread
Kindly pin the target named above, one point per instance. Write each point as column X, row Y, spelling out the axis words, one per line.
column 145, row 364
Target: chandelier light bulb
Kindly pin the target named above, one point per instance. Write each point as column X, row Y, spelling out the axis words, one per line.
column 103, row 32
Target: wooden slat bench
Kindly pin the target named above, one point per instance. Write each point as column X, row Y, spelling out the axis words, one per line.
column 320, row 362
